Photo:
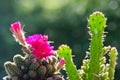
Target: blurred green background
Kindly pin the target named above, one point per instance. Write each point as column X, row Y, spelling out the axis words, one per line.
column 64, row 21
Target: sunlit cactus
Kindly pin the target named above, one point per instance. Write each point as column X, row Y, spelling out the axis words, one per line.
column 96, row 66
column 12, row 69
column 32, row 69
column 113, row 57
column 19, row 60
column 42, row 62
column 39, row 62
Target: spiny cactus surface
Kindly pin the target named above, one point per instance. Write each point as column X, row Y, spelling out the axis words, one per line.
column 40, row 61
column 33, row 69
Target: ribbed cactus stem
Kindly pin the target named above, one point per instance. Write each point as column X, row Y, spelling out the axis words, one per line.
column 97, row 23
column 113, row 57
column 11, row 69
column 19, row 60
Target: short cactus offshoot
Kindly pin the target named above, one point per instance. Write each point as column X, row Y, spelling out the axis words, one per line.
column 40, row 61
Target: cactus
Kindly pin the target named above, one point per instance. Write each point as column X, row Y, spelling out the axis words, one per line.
column 65, row 51
column 19, row 60
column 113, row 57
column 35, row 70
column 43, row 63
column 95, row 65
column 30, row 66
column 11, row 69
column 97, row 23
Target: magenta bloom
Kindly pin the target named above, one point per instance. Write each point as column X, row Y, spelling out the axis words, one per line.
column 61, row 63
column 18, row 33
column 40, row 46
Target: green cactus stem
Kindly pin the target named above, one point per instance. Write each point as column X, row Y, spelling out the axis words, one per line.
column 97, row 23
column 113, row 57
column 11, row 69
column 19, row 60
column 65, row 51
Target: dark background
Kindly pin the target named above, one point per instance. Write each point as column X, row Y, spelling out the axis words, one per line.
column 64, row 21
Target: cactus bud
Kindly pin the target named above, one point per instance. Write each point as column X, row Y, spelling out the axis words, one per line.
column 50, row 69
column 28, row 61
column 61, row 63
column 24, row 68
column 42, row 71
column 18, row 33
column 54, row 60
column 19, row 60
column 11, row 69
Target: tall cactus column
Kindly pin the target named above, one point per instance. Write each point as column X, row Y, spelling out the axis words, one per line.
column 97, row 23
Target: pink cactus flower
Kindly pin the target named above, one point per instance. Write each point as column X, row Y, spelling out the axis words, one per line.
column 18, row 33
column 61, row 63
column 41, row 48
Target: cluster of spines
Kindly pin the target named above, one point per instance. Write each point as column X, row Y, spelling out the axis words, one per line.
column 30, row 68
